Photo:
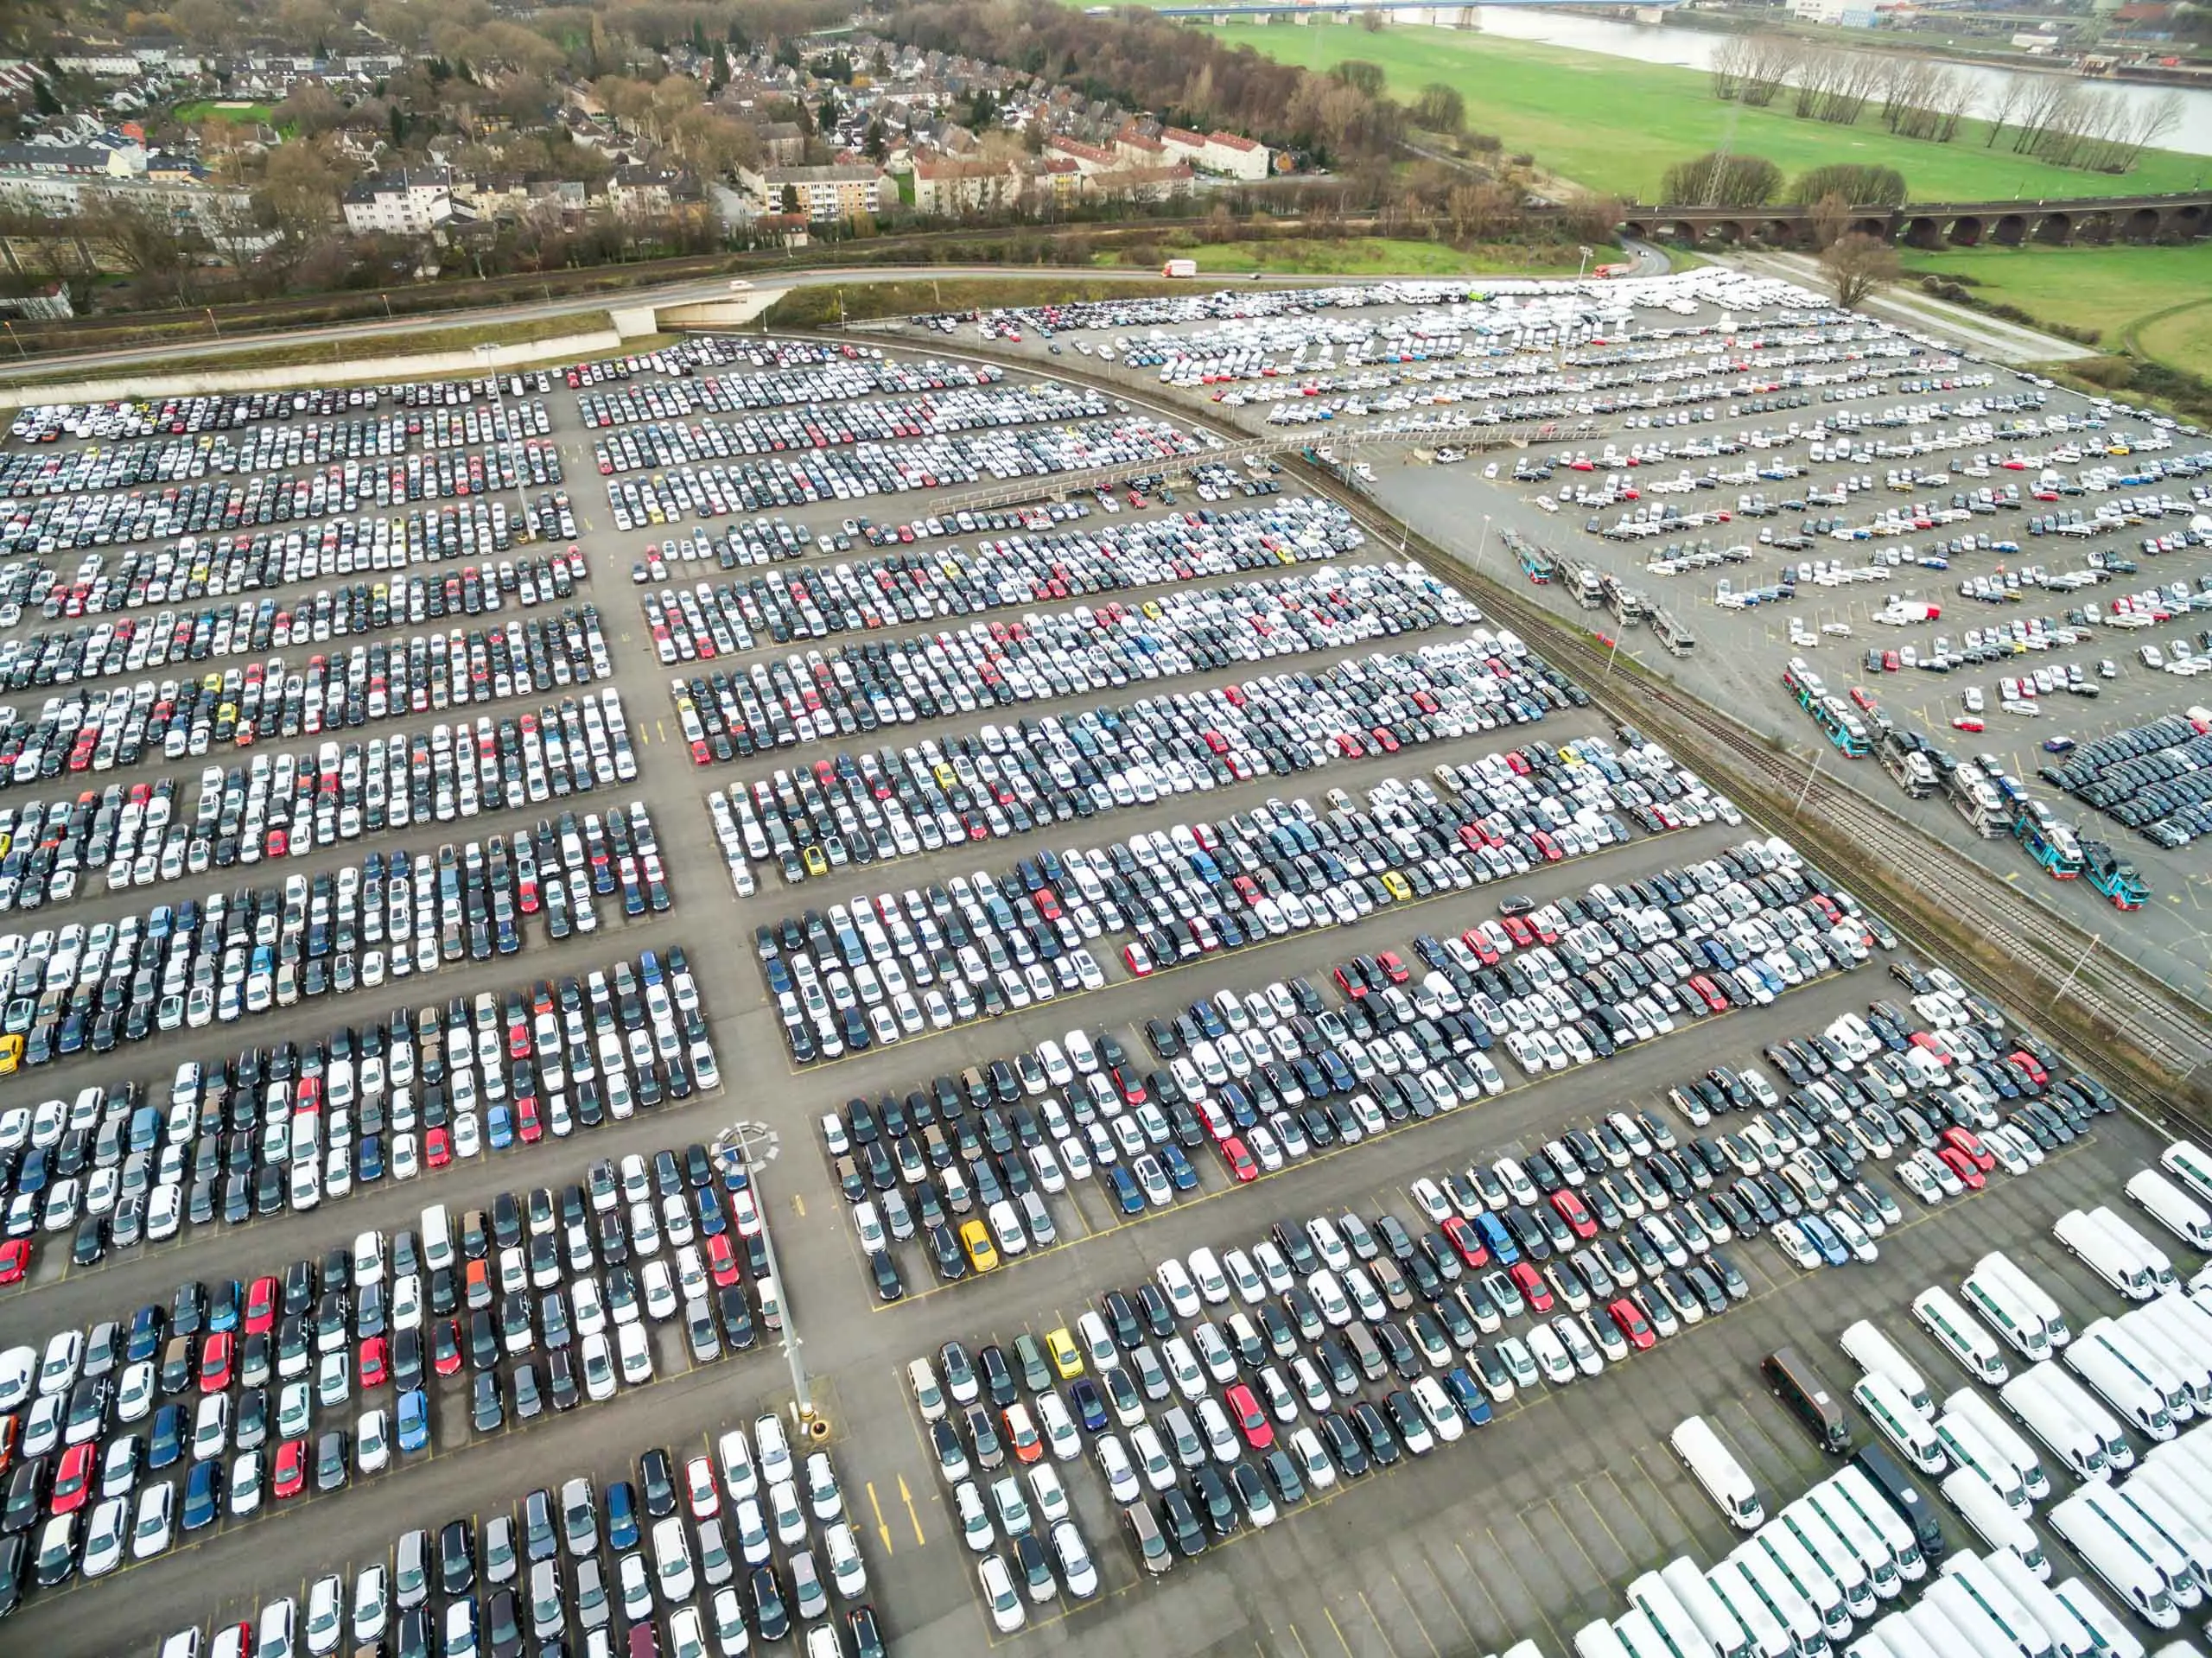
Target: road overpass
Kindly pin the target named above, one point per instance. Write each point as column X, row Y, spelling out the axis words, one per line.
column 2011, row 222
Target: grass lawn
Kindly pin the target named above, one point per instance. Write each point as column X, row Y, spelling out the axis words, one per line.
column 1359, row 255
column 212, row 109
column 1617, row 125
column 2157, row 300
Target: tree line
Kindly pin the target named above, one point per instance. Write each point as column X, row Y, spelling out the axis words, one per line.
column 2050, row 118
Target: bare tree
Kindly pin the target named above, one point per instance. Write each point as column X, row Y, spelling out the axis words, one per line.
column 1769, row 64
column 2007, row 99
column 1730, row 65
column 1831, row 216
column 1856, row 264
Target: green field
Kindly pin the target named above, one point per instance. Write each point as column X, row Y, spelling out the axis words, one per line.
column 210, row 109
column 1359, row 255
column 2157, row 300
column 1617, row 125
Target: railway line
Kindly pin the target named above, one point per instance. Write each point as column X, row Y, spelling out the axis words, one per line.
column 2103, row 985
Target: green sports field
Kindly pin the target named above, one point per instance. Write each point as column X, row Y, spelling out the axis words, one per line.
column 1616, row 125
column 2157, row 301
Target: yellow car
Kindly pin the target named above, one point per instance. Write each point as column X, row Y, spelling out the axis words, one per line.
column 1396, row 884
column 11, row 1054
column 817, row 862
column 1066, row 1359
column 975, row 1239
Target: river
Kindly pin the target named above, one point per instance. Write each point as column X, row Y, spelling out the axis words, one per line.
column 1694, row 49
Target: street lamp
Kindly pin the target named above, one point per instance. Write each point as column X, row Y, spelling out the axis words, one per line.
column 739, row 1159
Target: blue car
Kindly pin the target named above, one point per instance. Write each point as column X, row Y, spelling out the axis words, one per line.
column 1468, row 1395
column 201, row 1491
column 369, row 1160
column 1823, row 1238
column 1180, row 1174
column 621, row 1515
column 500, row 1128
column 414, row 1420
column 1127, row 1197
column 165, row 1444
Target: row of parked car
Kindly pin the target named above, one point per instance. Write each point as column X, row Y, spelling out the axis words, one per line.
column 288, row 805
column 123, row 418
column 1264, row 1079
column 2146, row 777
column 236, row 1138
column 1206, row 888
column 927, row 463
column 176, row 458
column 884, row 591
column 247, row 951
column 894, row 803
column 713, row 1554
column 816, row 425
column 579, row 1280
column 777, row 373
column 789, row 699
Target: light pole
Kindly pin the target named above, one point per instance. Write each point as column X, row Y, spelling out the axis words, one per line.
column 1482, row 545
column 740, row 1156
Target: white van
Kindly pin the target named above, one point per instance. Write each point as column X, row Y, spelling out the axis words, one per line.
column 2178, row 1530
column 1893, row 1415
column 1903, row 1635
column 1802, row 1522
column 1741, row 1579
column 2191, row 1164
column 1993, row 1519
column 2124, row 1234
column 1960, row 1334
column 2004, row 1439
column 2172, row 1208
column 1854, row 1531
column 2005, row 1310
column 1717, row 1470
column 2087, row 1409
column 2006, row 1270
column 1734, row 1630
column 1809, row 1577
column 2100, row 1251
column 1597, row 1639
column 1986, row 1616
column 1682, row 1636
column 1849, row 1485
column 2035, row 1599
column 1637, row 1635
column 2144, row 1332
column 1865, row 1345
column 2117, row 1555
column 2046, row 1417
column 1966, row 1445
column 2113, row 1369
column 2111, row 1638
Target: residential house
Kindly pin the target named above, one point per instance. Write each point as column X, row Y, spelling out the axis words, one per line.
column 416, row 203
column 843, row 190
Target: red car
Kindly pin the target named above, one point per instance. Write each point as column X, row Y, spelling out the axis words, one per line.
column 1530, row 1283
column 1570, row 1208
column 375, row 1363
column 1629, row 1320
column 2026, row 1064
column 215, row 1362
column 14, row 1259
column 1969, row 1145
column 1242, row 1168
column 530, row 1127
column 1393, row 967
column 1258, row 1432
column 291, row 1468
column 73, row 1480
column 260, row 1306
column 437, row 1148
column 721, row 1261
column 445, row 1346
column 1468, row 1241
column 1962, row 1165
column 1522, row 934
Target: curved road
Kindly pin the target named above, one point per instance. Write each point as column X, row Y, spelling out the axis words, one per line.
column 1650, row 261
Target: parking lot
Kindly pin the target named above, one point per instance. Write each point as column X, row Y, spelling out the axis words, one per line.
column 1816, row 474
column 983, row 637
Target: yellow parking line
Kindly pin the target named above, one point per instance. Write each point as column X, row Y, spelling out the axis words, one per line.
column 1338, row 1630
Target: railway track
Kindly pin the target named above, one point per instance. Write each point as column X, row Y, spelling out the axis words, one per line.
column 2104, row 986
